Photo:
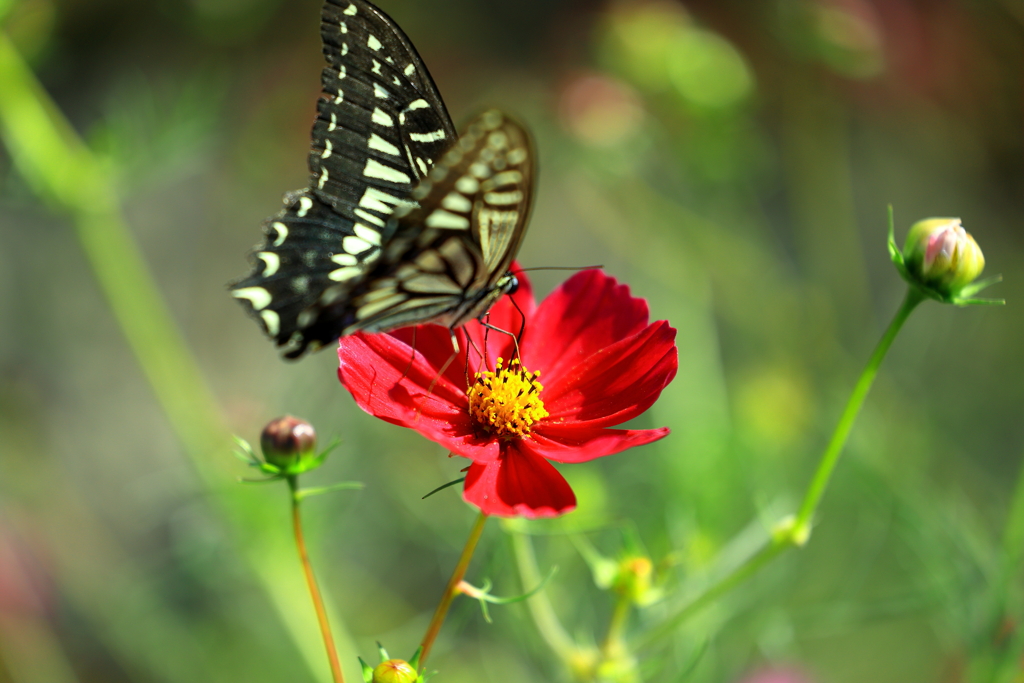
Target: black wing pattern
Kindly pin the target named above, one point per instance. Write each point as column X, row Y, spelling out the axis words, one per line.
column 381, row 128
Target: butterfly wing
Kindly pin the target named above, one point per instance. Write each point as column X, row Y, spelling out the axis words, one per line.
column 380, row 127
column 447, row 261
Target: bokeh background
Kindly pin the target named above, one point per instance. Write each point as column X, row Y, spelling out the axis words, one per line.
column 732, row 161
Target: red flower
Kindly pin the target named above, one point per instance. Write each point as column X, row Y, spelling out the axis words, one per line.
column 589, row 361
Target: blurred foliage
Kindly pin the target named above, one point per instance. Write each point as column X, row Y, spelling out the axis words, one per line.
column 731, row 161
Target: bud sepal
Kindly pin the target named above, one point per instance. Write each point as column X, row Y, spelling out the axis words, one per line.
column 941, row 261
column 393, row 670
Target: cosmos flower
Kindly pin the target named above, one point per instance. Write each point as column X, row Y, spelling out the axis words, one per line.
column 588, row 360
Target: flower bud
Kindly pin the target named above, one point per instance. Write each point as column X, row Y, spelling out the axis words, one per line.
column 942, row 256
column 633, row 579
column 394, row 671
column 287, row 442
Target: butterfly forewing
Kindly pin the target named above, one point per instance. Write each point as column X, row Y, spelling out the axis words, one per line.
column 380, row 126
column 385, row 235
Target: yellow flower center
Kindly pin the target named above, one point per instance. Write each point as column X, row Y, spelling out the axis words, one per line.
column 506, row 402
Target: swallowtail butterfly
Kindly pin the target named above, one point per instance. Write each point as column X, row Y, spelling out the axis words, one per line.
column 404, row 221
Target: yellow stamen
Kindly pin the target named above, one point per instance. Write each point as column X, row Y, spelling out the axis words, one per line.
column 506, row 402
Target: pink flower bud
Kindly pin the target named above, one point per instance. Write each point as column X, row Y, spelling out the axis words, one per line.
column 941, row 255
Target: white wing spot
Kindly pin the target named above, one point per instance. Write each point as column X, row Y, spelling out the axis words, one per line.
column 381, row 145
column 410, row 70
column 503, row 198
column 272, row 261
column 497, row 139
column 347, row 273
column 417, row 104
column 432, row 136
column 423, row 166
column 373, row 43
column 344, row 49
column 323, row 179
column 380, row 91
column 378, row 200
column 350, row 10
column 343, row 26
column 375, row 169
column 340, row 97
column 367, row 216
column 368, row 234
column 516, row 156
column 376, row 68
column 333, row 124
column 342, row 72
column 272, row 321
column 345, row 259
column 306, row 318
column 328, row 148
column 502, row 179
column 381, row 118
column 456, row 202
column 467, row 185
column 282, row 233
column 355, row 245
column 257, row 296
column 439, row 218
column 394, row 79
column 305, row 204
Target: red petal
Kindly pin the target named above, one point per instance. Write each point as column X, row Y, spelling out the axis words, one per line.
column 588, row 312
column 574, row 443
column 616, row 383
column 376, row 369
column 520, row 483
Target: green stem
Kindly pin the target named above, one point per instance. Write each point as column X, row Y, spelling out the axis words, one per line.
column 314, row 589
column 541, row 610
column 613, row 642
column 999, row 658
column 795, row 531
column 55, row 162
column 452, row 589
column 830, row 458
column 59, row 167
column 751, row 566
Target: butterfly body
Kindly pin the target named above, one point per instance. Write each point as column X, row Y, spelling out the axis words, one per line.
column 404, row 221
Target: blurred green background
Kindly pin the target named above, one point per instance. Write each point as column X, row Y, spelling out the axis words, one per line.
column 730, row 160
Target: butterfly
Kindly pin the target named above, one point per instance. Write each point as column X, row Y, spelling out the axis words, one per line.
column 405, row 221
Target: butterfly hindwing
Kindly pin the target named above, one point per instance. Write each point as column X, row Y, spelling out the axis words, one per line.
column 447, row 261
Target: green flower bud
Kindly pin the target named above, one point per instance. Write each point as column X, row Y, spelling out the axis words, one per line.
column 394, row 671
column 633, row 579
column 942, row 256
column 287, row 442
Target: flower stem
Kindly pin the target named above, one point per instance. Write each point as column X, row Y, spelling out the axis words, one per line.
column 830, row 458
column 452, row 589
column 60, row 168
column 314, row 590
column 541, row 610
column 613, row 643
column 796, row 530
